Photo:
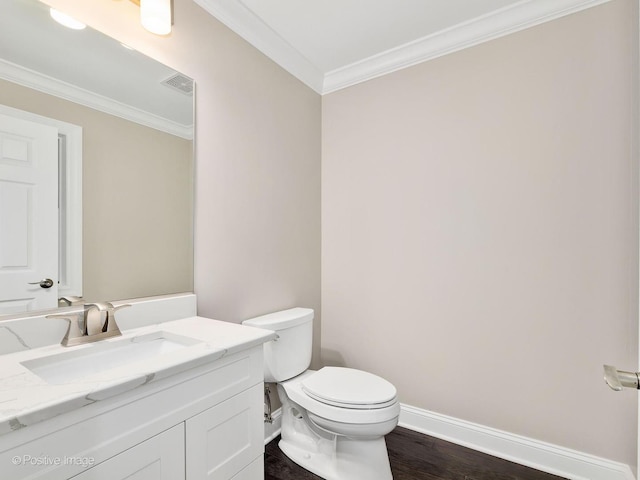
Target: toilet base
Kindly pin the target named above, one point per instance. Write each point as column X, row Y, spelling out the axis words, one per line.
column 352, row 459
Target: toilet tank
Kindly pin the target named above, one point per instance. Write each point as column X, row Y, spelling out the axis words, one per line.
column 290, row 354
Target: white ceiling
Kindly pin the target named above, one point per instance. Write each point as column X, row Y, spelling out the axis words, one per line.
column 331, row 44
column 335, row 33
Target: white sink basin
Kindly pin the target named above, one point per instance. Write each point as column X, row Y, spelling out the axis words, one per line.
column 102, row 356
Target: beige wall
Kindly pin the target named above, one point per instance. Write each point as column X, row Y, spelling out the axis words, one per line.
column 257, row 237
column 480, row 225
column 137, row 200
column 480, row 232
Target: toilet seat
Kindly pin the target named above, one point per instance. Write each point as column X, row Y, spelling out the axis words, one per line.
column 346, row 414
column 349, row 388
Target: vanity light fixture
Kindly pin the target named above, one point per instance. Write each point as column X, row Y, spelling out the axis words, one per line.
column 66, row 20
column 156, row 16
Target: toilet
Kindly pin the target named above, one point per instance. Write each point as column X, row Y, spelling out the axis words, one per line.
column 334, row 419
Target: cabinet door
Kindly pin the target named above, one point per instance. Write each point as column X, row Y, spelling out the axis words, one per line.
column 159, row 458
column 255, row 471
column 226, row 438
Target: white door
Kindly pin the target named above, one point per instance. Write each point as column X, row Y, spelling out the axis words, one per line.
column 28, row 215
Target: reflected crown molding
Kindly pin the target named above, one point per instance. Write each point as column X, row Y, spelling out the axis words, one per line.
column 43, row 83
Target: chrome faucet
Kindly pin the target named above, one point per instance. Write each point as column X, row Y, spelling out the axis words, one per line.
column 96, row 321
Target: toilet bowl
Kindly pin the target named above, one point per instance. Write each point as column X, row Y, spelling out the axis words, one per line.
column 334, row 419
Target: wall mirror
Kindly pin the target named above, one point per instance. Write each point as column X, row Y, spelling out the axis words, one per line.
column 121, row 126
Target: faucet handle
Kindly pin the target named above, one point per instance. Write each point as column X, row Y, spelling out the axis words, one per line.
column 111, row 317
column 73, row 330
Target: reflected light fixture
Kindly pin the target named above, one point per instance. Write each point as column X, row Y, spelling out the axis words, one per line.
column 156, row 16
column 66, row 20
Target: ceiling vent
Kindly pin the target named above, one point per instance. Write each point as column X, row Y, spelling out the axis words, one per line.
column 179, row 82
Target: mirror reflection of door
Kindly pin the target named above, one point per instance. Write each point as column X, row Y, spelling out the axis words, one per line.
column 28, row 215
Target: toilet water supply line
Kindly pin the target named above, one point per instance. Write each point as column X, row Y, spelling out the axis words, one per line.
column 267, row 404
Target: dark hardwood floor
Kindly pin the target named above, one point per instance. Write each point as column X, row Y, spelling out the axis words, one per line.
column 414, row 456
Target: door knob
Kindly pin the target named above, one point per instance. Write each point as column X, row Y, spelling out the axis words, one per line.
column 618, row 379
column 44, row 283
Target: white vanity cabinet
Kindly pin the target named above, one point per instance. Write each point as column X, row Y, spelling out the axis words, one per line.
column 202, row 423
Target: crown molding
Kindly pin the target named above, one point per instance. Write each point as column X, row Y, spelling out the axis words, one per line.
column 511, row 19
column 499, row 23
column 43, row 83
column 245, row 23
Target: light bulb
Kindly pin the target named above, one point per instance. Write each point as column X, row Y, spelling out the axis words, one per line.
column 66, row 20
column 155, row 16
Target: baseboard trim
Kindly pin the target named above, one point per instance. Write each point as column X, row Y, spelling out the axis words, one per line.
column 543, row 456
column 272, row 430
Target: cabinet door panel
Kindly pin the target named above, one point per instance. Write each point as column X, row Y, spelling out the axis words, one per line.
column 255, row 471
column 159, row 458
column 224, row 439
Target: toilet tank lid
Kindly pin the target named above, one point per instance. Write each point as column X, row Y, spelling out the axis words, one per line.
column 281, row 320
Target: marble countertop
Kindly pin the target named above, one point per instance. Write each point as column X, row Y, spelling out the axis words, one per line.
column 26, row 398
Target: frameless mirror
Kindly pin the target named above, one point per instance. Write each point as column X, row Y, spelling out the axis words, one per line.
column 115, row 129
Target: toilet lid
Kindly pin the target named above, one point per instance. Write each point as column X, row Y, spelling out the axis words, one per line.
column 350, row 388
